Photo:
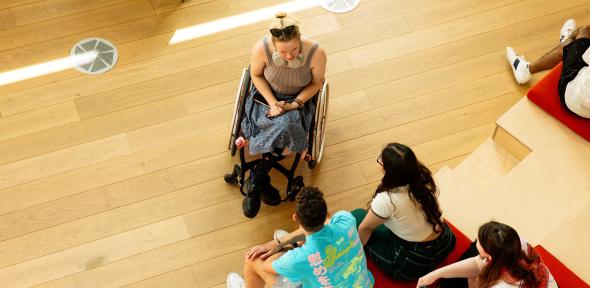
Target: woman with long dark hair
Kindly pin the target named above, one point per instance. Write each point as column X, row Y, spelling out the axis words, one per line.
column 403, row 231
column 504, row 261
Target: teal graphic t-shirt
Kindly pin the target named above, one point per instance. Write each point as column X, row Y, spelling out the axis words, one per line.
column 331, row 257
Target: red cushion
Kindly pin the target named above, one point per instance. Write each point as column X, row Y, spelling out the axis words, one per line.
column 461, row 246
column 564, row 276
column 383, row 280
column 545, row 95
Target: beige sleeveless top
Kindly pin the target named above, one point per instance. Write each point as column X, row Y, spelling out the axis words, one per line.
column 284, row 80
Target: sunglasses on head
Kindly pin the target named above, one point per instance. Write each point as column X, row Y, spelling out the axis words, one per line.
column 287, row 31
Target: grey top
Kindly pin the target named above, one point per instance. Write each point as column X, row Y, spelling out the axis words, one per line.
column 288, row 81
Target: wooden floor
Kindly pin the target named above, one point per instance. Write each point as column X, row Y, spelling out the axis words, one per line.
column 116, row 180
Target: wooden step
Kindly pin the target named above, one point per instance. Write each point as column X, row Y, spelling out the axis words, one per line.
column 567, row 242
column 485, row 166
column 470, row 180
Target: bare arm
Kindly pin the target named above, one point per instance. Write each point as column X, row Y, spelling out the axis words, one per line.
column 369, row 224
column 273, row 246
column 468, row 268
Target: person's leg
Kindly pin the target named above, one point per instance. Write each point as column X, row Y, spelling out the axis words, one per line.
column 255, row 275
column 553, row 57
column 550, row 59
column 522, row 69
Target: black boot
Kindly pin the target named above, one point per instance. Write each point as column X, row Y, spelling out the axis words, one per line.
column 270, row 194
column 251, row 203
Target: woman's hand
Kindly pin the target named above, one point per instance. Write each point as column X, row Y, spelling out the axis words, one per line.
column 275, row 110
column 288, row 106
column 264, row 251
column 427, row 279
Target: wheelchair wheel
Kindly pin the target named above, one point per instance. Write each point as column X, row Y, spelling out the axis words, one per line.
column 243, row 91
column 319, row 127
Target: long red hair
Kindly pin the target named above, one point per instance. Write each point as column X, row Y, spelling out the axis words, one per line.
column 509, row 262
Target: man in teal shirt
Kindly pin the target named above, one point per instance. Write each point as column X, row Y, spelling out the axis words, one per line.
column 332, row 255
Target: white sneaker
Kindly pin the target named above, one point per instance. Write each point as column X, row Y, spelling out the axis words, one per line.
column 279, row 233
column 519, row 65
column 234, row 280
column 566, row 30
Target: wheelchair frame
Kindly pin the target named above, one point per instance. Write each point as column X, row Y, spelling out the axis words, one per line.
column 315, row 140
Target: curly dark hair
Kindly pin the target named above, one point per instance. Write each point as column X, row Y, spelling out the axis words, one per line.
column 403, row 168
column 311, row 208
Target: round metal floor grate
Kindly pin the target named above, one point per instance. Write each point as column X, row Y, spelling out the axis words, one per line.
column 105, row 59
column 339, row 6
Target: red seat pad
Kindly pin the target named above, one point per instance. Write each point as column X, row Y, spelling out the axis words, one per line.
column 383, row 280
column 564, row 276
column 545, row 95
column 461, row 246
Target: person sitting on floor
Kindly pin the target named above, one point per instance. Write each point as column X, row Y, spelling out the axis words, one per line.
column 574, row 84
column 331, row 256
column 403, row 231
column 501, row 260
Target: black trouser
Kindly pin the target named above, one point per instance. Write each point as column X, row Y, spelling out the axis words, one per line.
column 572, row 64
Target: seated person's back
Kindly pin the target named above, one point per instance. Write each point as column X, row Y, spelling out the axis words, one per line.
column 331, row 256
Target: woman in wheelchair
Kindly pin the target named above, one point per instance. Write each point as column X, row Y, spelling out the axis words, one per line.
column 287, row 71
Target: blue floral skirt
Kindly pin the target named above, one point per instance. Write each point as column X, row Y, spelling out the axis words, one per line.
column 288, row 130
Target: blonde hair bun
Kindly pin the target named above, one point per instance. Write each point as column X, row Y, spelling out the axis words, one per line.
column 281, row 15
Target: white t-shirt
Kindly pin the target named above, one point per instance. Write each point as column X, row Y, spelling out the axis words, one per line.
column 404, row 216
column 577, row 91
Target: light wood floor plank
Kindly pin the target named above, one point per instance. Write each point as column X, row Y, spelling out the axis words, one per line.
column 161, row 6
column 64, row 160
column 13, row 3
column 95, row 254
column 112, row 171
column 38, row 120
column 84, row 204
column 161, row 88
column 62, row 27
column 181, row 278
column 181, row 254
column 37, row 143
column 449, row 11
column 39, row 11
column 7, row 19
column 102, row 225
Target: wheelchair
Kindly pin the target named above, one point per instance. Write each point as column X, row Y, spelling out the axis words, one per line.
column 315, row 141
